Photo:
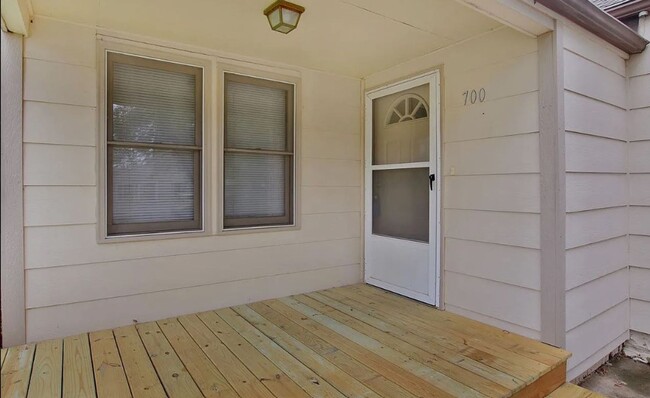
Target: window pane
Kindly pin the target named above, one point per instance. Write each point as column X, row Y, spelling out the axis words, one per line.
column 400, row 203
column 256, row 117
column 400, row 129
column 152, row 185
column 153, row 105
column 255, row 185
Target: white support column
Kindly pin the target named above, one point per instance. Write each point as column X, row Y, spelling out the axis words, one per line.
column 553, row 186
column 12, row 268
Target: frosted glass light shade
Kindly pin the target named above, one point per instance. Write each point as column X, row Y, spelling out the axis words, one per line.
column 275, row 17
column 290, row 17
column 283, row 16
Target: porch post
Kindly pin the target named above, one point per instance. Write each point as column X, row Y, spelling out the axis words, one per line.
column 12, row 270
column 553, row 186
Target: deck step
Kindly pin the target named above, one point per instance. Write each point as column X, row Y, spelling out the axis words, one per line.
column 568, row 390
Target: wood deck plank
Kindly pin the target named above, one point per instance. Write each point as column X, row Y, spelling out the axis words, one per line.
column 16, row 371
column 310, row 381
column 472, row 345
column 343, row 382
column 240, row 378
column 444, row 338
column 47, row 370
column 403, row 332
column 478, row 383
column 78, row 379
column 433, row 376
column 530, row 348
column 139, row 370
column 404, row 378
column 110, row 379
column 270, row 375
column 354, row 341
column 544, row 385
column 172, row 373
column 348, row 364
column 205, row 374
column 568, row 390
column 484, row 337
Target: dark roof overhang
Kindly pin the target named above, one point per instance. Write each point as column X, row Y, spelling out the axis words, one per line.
column 598, row 22
column 629, row 8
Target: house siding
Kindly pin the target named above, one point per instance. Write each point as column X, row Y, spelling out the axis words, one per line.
column 491, row 177
column 69, row 273
column 597, row 277
column 638, row 72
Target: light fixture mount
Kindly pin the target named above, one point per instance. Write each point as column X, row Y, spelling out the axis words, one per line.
column 283, row 16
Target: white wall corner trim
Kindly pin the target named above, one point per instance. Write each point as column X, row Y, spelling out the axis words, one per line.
column 12, row 272
column 553, row 201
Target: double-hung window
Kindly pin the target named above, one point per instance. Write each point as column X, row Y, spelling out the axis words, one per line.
column 155, row 156
column 153, row 146
column 258, row 152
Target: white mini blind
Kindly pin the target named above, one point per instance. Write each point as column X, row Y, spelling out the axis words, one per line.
column 254, row 185
column 152, row 186
column 256, row 117
column 151, row 105
column 258, row 158
column 154, row 145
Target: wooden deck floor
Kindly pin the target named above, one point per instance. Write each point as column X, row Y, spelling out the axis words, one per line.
column 355, row 341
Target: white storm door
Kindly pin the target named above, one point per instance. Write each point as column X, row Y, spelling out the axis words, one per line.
column 401, row 192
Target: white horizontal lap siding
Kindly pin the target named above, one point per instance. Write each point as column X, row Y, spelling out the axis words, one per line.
column 491, row 180
column 597, row 292
column 107, row 285
column 105, row 279
column 638, row 70
column 48, row 123
column 76, row 244
column 64, row 320
column 595, row 339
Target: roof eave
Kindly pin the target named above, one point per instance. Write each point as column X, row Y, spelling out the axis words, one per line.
column 628, row 8
column 598, row 22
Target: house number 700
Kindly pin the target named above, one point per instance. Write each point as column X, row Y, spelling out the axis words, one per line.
column 471, row 96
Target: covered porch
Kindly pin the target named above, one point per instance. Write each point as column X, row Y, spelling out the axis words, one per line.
column 351, row 341
column 492, row 232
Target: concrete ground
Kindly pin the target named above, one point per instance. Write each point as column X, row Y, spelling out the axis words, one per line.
column 621, row 377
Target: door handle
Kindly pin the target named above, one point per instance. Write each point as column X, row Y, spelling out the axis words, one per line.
column 432, row 178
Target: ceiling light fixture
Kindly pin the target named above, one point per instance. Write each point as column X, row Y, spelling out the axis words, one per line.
column 283, row 16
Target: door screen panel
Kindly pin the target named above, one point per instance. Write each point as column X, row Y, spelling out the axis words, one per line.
column 400, row 203
column 400, row 127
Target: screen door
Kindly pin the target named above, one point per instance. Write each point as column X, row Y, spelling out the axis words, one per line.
column 402, row 188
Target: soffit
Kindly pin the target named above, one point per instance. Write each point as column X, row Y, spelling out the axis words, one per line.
column 349, row 37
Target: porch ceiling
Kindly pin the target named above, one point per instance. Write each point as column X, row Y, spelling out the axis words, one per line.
column 349, row 37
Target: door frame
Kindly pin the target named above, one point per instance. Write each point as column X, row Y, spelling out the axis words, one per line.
column 433, row 79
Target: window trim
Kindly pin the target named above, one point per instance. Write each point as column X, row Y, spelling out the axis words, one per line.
column 207, row 67
column 289, row 219
column 197, row 149
column 214, row 66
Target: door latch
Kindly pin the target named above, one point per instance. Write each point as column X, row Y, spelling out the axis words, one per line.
column 432, row 178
